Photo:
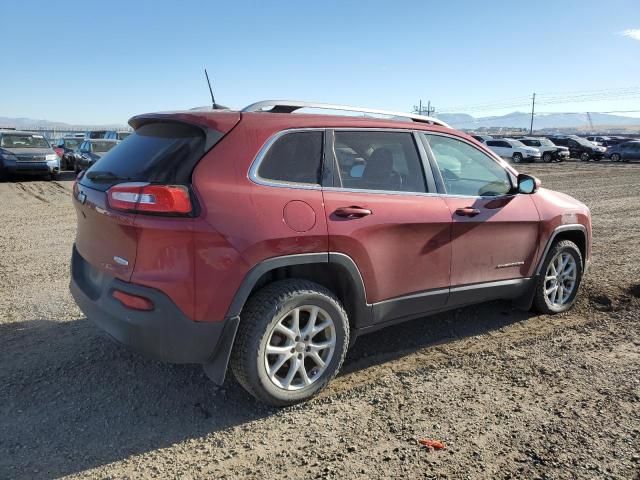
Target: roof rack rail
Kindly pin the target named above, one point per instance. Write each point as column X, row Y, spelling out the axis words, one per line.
column 289, row 106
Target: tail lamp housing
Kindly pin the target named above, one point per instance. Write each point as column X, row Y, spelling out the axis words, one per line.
column 150, row 198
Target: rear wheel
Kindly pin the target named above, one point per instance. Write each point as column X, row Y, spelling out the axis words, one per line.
column 547, row 157
column 292, row 340
column 584, row 157
column 517, row 157
column 560, row 278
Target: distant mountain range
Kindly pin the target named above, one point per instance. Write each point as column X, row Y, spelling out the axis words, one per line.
column 456, row 120
column 540, row 121
column 23, row 122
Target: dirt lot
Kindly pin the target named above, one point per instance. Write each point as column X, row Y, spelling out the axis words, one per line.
column 512, row 394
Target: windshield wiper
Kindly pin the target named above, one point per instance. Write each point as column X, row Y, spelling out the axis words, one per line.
column 105, row 176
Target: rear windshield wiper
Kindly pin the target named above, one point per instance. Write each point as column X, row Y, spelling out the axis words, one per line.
column 98, row 176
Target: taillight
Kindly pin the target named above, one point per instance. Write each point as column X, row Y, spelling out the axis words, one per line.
column 59, row 151
column 148, row 198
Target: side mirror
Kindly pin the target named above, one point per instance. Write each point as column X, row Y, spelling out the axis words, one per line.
column 528, row 184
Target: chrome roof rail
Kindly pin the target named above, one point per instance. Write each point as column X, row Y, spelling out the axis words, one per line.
column 289, row 106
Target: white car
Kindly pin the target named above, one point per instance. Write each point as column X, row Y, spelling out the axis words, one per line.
column 514, row 150
column 548, row 149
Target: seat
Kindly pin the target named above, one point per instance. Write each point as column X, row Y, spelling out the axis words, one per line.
column 379, row 172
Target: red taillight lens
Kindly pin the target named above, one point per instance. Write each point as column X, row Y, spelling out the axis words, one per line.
column 133, row 301
column 59, row 151
column 146, row 198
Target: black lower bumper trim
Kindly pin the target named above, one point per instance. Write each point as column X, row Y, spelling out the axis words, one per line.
column 164, row 333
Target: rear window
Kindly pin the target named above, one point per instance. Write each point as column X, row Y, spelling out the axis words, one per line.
column 156, row 153
column 294, row 157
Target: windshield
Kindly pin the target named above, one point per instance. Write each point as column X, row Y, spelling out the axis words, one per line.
column 123, row 135
column 545, row 142
column 516, row 143
column 72, row 143
column 102, row 146
column 15, row 140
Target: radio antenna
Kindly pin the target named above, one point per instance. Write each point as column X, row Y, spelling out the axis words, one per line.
column 213, row 99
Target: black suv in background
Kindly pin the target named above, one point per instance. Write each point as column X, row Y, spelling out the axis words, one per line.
column 91, row 151
column 579, row 147
column 65, row 148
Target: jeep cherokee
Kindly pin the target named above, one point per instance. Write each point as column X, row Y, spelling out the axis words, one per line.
column 267, row 240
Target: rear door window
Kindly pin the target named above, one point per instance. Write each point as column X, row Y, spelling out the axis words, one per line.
column 295, row 157
column 375, row 160
column 164, row 152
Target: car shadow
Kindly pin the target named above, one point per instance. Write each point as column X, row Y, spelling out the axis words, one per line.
column 71, row 399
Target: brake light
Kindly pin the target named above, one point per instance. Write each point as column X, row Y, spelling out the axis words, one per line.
column 59, row 151
column 133, row 301
column 148, row 198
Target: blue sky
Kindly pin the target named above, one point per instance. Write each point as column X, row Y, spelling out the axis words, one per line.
column 101, row 62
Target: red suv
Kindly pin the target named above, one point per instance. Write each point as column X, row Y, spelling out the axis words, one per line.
column 269, row 240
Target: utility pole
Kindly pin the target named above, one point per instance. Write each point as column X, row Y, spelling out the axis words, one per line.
column 419, row 110
column 533, row 111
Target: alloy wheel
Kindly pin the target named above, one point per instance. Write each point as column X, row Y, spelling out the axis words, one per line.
column 560, row 279
column 300, row 347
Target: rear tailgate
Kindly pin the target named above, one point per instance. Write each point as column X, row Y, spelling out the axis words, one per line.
column 164, row 149
column 107, row 240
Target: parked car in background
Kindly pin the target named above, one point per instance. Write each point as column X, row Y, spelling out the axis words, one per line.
column 579, row 147
column 90, row 151
column 95, row 134
column 482, row 138
column 550, row 151
column 66, row 148
column 624, row 152
column 217, row 237
column 514, row 150
column 114, row 135
column 27, row 153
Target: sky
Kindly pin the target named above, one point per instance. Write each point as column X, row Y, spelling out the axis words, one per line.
column 89, row 62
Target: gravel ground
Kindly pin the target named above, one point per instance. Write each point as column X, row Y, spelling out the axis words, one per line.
column 511, row 394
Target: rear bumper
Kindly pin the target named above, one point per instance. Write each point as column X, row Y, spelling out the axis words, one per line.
column 164, row 333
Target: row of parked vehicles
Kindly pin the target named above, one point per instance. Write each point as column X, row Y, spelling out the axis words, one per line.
column 24, row 152
column 562, row 147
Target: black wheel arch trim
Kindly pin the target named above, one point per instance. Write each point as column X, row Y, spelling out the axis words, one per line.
column 362, row 309
column 564, row 228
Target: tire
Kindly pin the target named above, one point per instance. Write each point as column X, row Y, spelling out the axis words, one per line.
column 542, row 300
column 274, row 307
column 517, row 157
column 547, row 157
column 615, row 157
column 584, row 157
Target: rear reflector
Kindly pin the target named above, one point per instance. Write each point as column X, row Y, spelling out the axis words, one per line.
column 133, row 301
column 147, row 198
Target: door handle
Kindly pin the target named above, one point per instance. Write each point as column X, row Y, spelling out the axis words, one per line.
column 352, row 212
column 467, row 212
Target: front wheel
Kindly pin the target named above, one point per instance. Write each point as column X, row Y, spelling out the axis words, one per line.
column 584, row 157
column 547, row 157
column 291, row 342
column 517, row 157
column 615, row 157
column 560, row 278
